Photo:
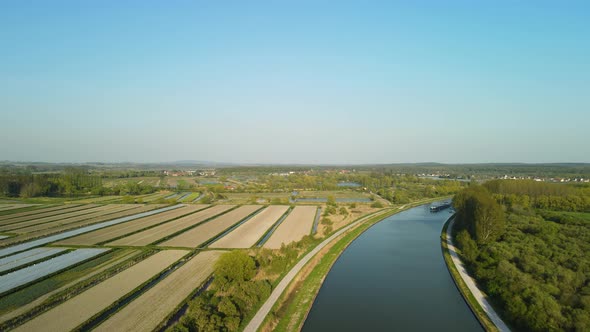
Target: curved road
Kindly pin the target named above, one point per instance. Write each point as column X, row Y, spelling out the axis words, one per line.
column 276, row 293
column 471, row 284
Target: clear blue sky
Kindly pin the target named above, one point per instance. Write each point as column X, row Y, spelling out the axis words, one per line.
column 295, row 81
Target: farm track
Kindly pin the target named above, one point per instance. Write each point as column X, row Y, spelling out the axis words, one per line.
column 117, row 231
column 293, row 228
column 162, row 231
column 151, row 308
column 247, row 234
column 85, row 305
column 200, row 234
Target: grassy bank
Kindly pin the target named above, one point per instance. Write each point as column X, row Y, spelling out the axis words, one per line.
column 291, row 310
column 477, row 310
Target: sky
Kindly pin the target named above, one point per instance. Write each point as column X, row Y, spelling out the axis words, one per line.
column 340, row 82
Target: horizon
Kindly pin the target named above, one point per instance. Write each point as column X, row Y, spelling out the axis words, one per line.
column 304, row 83
column 239, row 164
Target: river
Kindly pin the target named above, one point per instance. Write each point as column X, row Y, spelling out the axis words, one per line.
column 393, row 278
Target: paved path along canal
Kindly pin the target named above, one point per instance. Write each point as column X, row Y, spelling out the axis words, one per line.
column 393, row 278
column 483, row 302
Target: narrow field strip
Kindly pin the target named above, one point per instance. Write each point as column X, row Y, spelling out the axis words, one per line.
column 116, row 231
column 155, row 197
column 37, row 243
column 150, row 309
column 159, row 232
column 14, row 261
column 200, row 234
column 29, row 274
column 293, row 228
column 36, row 221
column 183, row 196
column 86, row 222
column 42, row 208
column 82, row 307
column 60, row 222
column 98, row 199
column 190, row 197
column 42, row 213
column 15, row 206
column 247, row 234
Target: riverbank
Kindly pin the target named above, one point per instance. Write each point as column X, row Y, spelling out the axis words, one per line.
column 293, row 306
column 475, row 299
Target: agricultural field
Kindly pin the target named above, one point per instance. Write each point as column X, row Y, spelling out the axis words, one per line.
column 136, row 210
column 44, row 292
column 50, row 280
column 99, row 199
column 117, row 231
column 152, row 308
column 249, row 233
column 180, row 182
column 15, row 206
column 82, row 307
column 26, row 257
column 43, row 223
column 202, row 233
column 297, row 224
column 190, row 197
column 258, row 198
column 31, row 273
column 63, row 235
column 160, row 232
column 151, row 181
column 156, row 196
column 13, row 213
column 42, row 213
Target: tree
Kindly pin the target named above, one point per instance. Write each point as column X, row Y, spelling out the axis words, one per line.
column 467, row 245
column 489, row 219
column 377, row 205
column 479, row 213
column 235, row 266
column 331, row 201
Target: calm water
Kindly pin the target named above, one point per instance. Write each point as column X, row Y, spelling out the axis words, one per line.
column 349, row 184
column 393, row 278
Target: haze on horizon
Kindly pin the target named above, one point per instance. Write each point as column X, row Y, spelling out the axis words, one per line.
column 301, row 82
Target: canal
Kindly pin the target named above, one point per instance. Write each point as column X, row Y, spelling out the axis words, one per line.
column 393, row 278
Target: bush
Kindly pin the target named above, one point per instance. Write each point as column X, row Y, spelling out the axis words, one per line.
column 377, row 205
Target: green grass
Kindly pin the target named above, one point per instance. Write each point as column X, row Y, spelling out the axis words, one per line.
column 191, row 197
column 477, row 310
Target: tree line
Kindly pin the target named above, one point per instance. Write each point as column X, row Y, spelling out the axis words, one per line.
column 534, row 263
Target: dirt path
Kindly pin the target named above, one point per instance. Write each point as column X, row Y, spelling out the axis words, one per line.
column 257, row 320
column 481, row 299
